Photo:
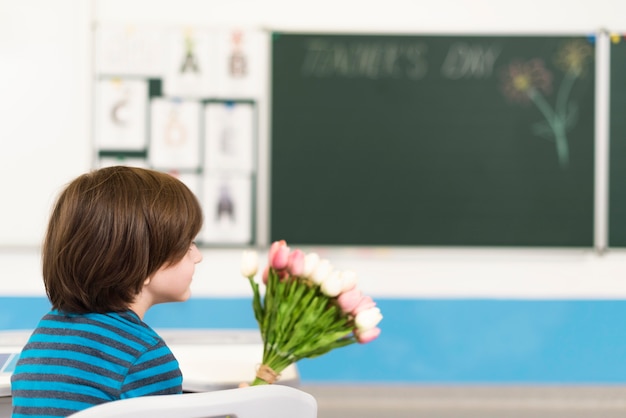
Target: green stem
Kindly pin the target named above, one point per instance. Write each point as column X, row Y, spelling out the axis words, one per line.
column 562, row 148
column 556, row 123
column 563, row 94
column 543, row 106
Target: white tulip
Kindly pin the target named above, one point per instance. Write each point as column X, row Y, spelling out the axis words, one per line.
column 322, row 271
column 310, row 262
column 331, row 286
column 249, row 263
column 348, row 280
column 368, row 319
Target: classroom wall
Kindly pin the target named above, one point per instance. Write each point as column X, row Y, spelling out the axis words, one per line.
column 47, row 91
column 530, row 300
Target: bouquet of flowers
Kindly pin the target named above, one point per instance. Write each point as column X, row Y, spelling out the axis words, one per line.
column 308, row 308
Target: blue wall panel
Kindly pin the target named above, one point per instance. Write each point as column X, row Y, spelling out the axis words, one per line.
column 433, row 340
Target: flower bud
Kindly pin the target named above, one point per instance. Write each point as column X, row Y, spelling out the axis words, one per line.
column 348, row 280
column 364, row 337
column 266, row 275
column 331, row 286
column 367, row 319
column 249, row 263
column 366, row 302
column 295, row 265
column 310, row 262
column 274, row 247
column 279, row 255
column 321, row 271
column 349, row 300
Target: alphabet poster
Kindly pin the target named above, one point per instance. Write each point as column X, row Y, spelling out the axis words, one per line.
column 174, row 140
column 182, row 99
column 228, row 207
column 229, row 136
column 121, row 114
column 190, row 69
column 130, row 50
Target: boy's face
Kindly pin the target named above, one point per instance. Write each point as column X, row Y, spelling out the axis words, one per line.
column 171, row 283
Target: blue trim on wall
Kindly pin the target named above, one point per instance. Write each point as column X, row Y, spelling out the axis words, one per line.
column 443, row 341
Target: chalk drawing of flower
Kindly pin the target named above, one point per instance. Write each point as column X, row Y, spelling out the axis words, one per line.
column 521, row 79
column 530, row 81
column 574, row 57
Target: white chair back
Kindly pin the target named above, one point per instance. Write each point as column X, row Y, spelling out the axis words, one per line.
column 268, row 401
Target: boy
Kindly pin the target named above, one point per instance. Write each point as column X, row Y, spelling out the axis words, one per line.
column 119, row 240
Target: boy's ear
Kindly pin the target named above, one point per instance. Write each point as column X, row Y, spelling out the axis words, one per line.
column 147, row 281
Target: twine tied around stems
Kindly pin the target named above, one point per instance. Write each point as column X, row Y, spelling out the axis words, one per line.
column 266, row 373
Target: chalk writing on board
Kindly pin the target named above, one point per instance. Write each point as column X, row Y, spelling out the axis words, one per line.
column 531, row 81
column 372, row 60
column 465, row 60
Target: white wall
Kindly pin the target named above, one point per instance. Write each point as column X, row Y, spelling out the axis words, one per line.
column 44, row 73
column 45, row 103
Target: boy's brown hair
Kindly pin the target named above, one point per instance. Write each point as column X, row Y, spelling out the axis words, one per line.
column 109, row 231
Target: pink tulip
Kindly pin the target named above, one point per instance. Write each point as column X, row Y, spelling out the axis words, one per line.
column 295, row 264
column 367, row 336
column 275, row 246
column 279, row 255
column 266, row 274
column 365, row 303
column 349, row 300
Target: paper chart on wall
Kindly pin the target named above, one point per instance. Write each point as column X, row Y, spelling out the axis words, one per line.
column 227, row 202
column 229, row 137
column 174, row 139
column 190, row 69
column 130, row 50
column 239, row 63
column 181, row 99
column 121, row 114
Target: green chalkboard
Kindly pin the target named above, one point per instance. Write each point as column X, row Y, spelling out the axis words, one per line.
column 617, row 148
column 432, row 140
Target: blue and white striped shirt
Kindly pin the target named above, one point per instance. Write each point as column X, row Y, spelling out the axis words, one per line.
column 74, row 361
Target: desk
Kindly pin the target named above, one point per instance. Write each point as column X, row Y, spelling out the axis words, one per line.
column 209, row 359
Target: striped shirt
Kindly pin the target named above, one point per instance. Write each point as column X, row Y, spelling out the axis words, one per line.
column 74, row 361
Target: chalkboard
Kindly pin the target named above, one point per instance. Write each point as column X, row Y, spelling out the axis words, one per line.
column 432, row 140
column 617, row 148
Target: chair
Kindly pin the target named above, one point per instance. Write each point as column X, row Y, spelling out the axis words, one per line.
column 268, row 401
